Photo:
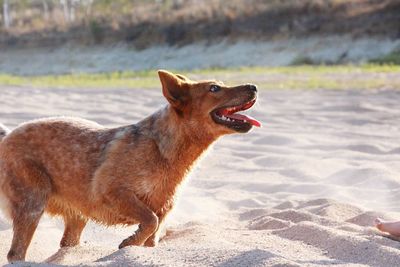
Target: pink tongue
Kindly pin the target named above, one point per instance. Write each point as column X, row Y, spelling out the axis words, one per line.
column 244, row 118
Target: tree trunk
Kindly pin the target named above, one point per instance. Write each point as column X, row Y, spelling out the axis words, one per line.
column 89, row 8
column 45, row 10
column 71, row 11
column 6, row 14
column 64, row 4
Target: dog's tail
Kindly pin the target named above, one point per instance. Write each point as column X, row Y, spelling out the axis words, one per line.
column 3, row 131
column 4, row 202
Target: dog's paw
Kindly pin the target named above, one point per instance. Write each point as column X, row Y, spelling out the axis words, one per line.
column 130, row 241
column 151, row 242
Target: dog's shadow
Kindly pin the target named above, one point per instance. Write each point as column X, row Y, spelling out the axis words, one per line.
column 59, row 256
column 67, row 254
column 70, row 256
column 53, row 260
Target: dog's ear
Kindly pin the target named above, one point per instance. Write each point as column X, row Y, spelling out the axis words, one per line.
column 173, row 88
column 183, row 78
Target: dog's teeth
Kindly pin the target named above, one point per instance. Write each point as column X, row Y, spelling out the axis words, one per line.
column 226, row 118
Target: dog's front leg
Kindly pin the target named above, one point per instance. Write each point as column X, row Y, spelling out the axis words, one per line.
column 152, row 241
column 147, row 227
column 130, row 207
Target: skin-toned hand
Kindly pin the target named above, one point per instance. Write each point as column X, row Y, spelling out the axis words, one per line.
column 392, row 228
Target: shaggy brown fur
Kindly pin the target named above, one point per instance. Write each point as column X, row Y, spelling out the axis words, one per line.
column 127, row 175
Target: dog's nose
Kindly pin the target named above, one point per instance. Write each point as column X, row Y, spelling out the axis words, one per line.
column 252, row 87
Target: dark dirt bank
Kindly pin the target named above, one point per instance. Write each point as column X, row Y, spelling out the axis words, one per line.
column 142, row 24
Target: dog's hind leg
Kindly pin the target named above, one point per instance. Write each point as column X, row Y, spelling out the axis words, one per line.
column 24, row 227
column 74, row 225
column 27, row 189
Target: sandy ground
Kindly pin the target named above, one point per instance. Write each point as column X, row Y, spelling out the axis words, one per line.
column 301, row 191
column 70, row 59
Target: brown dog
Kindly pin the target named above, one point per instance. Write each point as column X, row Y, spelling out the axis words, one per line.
column 127, row 175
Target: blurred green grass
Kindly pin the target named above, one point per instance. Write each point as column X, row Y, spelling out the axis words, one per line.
column 391, row 58
column 292, row 77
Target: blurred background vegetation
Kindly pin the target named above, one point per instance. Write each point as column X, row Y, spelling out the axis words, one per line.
column 69, row 31
column 143, row 23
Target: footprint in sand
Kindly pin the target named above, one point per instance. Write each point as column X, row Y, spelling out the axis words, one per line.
column 273, row 161
column 274, row 140
column 268, row 223
column 368, row 149
column 365, row 178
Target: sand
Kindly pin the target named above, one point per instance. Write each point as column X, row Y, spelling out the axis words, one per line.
column 301, row 191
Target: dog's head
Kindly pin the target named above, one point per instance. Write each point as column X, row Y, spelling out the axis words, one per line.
column 210, row 105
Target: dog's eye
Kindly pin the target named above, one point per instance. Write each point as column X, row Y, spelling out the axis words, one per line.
column 215, row 88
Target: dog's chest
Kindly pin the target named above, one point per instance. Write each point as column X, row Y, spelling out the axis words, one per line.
column 158, row 195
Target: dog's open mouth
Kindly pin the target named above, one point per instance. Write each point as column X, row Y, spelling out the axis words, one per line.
column 227, row 116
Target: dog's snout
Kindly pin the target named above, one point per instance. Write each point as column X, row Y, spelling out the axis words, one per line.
column 252, row 87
